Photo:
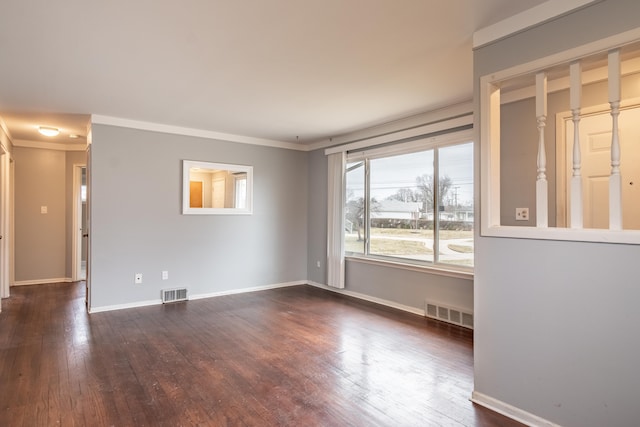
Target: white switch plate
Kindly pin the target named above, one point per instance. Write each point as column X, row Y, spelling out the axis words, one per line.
column 138, row 278
column 522, row 214
column 43, row 209
column 165, row 275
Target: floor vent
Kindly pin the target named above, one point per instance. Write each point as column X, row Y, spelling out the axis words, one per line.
column 448, row 314
column 174, row 295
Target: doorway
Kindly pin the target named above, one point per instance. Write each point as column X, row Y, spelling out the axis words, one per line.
column 595, row 147
column 80, row 230
column 6, row 221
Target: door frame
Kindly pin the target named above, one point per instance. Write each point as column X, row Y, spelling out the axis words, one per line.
column 76, row 239
column 5, row 222
column 564, row 168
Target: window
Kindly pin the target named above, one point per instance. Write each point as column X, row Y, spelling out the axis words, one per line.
column 411, row 203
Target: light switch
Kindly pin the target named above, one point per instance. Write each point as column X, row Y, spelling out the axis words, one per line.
column 43, row 209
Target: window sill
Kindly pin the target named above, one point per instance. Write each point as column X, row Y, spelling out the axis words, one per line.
column 629, row 237
column 431, row 269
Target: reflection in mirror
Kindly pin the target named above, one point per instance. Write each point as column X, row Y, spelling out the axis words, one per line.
column 216, row 188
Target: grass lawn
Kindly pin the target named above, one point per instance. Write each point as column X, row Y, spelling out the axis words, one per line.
column 393, row 243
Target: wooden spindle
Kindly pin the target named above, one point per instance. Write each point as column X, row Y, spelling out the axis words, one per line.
column 575, row 94
column 615, row 179
column 541, row 181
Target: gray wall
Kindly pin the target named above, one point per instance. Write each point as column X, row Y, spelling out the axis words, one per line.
column 556, row 322
column 40, row 239
column 137, row 225
column 401, row 286
column 519, row 144
column 317, row 233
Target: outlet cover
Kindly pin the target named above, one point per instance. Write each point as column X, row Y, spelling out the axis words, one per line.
column 165, row 275
column 522, row 214
column 138, row 278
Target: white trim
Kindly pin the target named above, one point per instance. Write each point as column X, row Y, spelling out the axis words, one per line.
column 443, row 140
column 49, row 145
column 436, row 269
column 567, row 56
column 427, row 129
column 529, row 18
column 137, row 304
column 246, row 290
column 76, row 230
column 629, row 237
column 369, row 298
column 433, row 116
column 199, row 133
column 196, row 297
column 405, row 125
column 42, row 281
column 4, row 127
column 510, row 411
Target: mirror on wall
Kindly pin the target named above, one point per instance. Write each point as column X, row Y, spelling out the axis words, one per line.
column 216, row 188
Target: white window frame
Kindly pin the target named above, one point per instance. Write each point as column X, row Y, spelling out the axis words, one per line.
column 422, row 144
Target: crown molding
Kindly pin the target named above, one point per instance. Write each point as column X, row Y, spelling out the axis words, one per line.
column 397, row 129
column 48, row 145
column 529, row 18
column 200, row 133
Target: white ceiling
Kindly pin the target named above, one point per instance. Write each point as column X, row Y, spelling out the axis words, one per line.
column 285, row 70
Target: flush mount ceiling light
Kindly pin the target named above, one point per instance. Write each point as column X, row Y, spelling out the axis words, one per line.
column 48, row 131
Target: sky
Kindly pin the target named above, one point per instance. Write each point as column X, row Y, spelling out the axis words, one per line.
column 389, row 174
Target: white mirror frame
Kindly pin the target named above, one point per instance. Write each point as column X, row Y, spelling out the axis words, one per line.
column 187, row 165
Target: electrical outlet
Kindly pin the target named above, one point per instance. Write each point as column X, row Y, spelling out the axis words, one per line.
column 138, row 278
column 165, row 275
column 318, row 264
column 522, row 214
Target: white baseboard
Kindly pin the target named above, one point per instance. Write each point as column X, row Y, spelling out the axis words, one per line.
column 512, row 412
column 123, row 306
column 369, row 298
column 195, row 297
column 245, row 290
column 41, row 281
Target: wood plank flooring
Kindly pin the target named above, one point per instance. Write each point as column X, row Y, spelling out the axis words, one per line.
column 296, row 356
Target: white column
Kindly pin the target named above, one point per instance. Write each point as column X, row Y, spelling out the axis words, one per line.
column 575, row 93
column 541, row 181
column 615, row 180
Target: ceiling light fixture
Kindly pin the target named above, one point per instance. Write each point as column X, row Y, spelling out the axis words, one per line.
column 48, row 131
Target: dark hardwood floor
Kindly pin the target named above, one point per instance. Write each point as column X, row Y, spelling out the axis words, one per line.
column 295, row 356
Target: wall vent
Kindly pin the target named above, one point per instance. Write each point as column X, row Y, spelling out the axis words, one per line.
column 174, row 295
column 448, row 314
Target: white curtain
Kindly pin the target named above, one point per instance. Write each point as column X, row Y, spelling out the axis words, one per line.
column 335, row 220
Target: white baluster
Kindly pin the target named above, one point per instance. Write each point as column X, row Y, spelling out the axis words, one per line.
column 575, row 93
column 615, row 180
column 541, row 182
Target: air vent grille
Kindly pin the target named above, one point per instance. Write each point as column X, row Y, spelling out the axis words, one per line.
column 174, row 295
column 432, row 310
column 448, row 314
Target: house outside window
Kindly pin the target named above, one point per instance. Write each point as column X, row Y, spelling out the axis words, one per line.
column 411, row 204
